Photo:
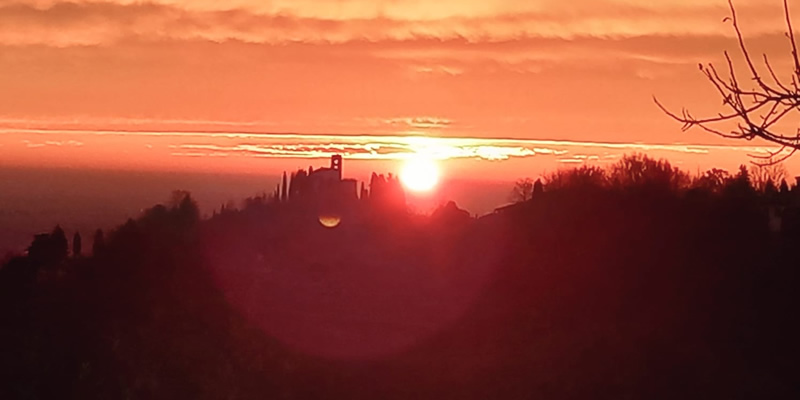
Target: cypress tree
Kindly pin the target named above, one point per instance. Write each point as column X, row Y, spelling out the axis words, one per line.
column 77, row 245
column 284, row 188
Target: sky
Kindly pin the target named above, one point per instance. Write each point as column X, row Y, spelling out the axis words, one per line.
column 497, row 90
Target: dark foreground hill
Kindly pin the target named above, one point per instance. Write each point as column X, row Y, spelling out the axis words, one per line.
column 582, row 292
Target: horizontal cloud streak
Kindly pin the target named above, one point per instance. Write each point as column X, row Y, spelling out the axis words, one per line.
column 102, row 23
column 56, row 143
column 381, row 147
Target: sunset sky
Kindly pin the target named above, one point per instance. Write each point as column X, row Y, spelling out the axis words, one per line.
column 254, row 86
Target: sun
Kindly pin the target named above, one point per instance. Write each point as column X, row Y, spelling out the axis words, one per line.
column 419, row 174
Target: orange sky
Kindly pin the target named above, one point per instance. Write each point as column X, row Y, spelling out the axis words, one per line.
column 107, row 84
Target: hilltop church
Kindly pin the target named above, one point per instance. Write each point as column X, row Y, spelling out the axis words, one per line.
column 325, row 188
column 323, row 184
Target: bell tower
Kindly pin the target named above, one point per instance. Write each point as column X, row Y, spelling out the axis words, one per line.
column 336, row 164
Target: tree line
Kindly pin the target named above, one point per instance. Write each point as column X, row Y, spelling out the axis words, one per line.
column 632, row 281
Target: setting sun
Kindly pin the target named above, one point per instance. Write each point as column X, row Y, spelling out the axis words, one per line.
column 419, row 174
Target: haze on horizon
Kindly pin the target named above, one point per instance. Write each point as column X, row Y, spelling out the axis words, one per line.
column 492, row 91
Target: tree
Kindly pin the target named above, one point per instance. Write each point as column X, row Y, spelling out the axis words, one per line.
column 712, row 180
column 76, row 245
column 639, row 170
column 450, row 215
column 522, row 191
column 60, row 243
column 538, row 187
column 99, row 242
column 180, row 201
column 768, row 174
column 754, row 111
column 741, row 185
column 49, row 249
column 587, row 176
column 188, row 210
column 177, row 197
column 784, row 188
column 284, row 188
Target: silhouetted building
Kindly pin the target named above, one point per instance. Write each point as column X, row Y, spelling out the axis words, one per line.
column 322, row 187
column 326, row 190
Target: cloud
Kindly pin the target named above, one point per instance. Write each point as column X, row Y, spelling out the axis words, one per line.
column 495, row 68
column 52, row 143
column 104, row 23
column 32, row 145
column 382, row 147
column 440, row 148
column 418, row 122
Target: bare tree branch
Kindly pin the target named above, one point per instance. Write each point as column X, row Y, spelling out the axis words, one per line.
column 756, row 111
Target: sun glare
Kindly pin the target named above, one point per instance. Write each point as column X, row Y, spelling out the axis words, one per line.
column 419, row 174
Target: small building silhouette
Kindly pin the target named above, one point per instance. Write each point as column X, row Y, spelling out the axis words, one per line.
column 323, row 186
column 324, row 189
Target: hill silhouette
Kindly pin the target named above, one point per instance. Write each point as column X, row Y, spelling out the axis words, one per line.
column 635, row 281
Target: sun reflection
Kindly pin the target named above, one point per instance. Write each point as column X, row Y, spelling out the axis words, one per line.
column 330, row 221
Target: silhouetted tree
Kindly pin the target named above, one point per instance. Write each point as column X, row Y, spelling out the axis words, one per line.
column 76, row 245
column 538, row 188
column 284, row 188
column 639, row 170
column 60, row 244
column 255, row 202
column 98, row 242
column 784, row 188
column 767, row 174
column 770, row 189
column 180, row 201
column 586, row 176
column 158, row 214
column 176, row 197
column 450, row 215
column 49, row 249
column 712, row 180
column 188, row 209
column 376, row 183
column 740, row 185
column 298, row 186
column 40, row 250
column 522, row 191
column 386, row 192
column 755, row 109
